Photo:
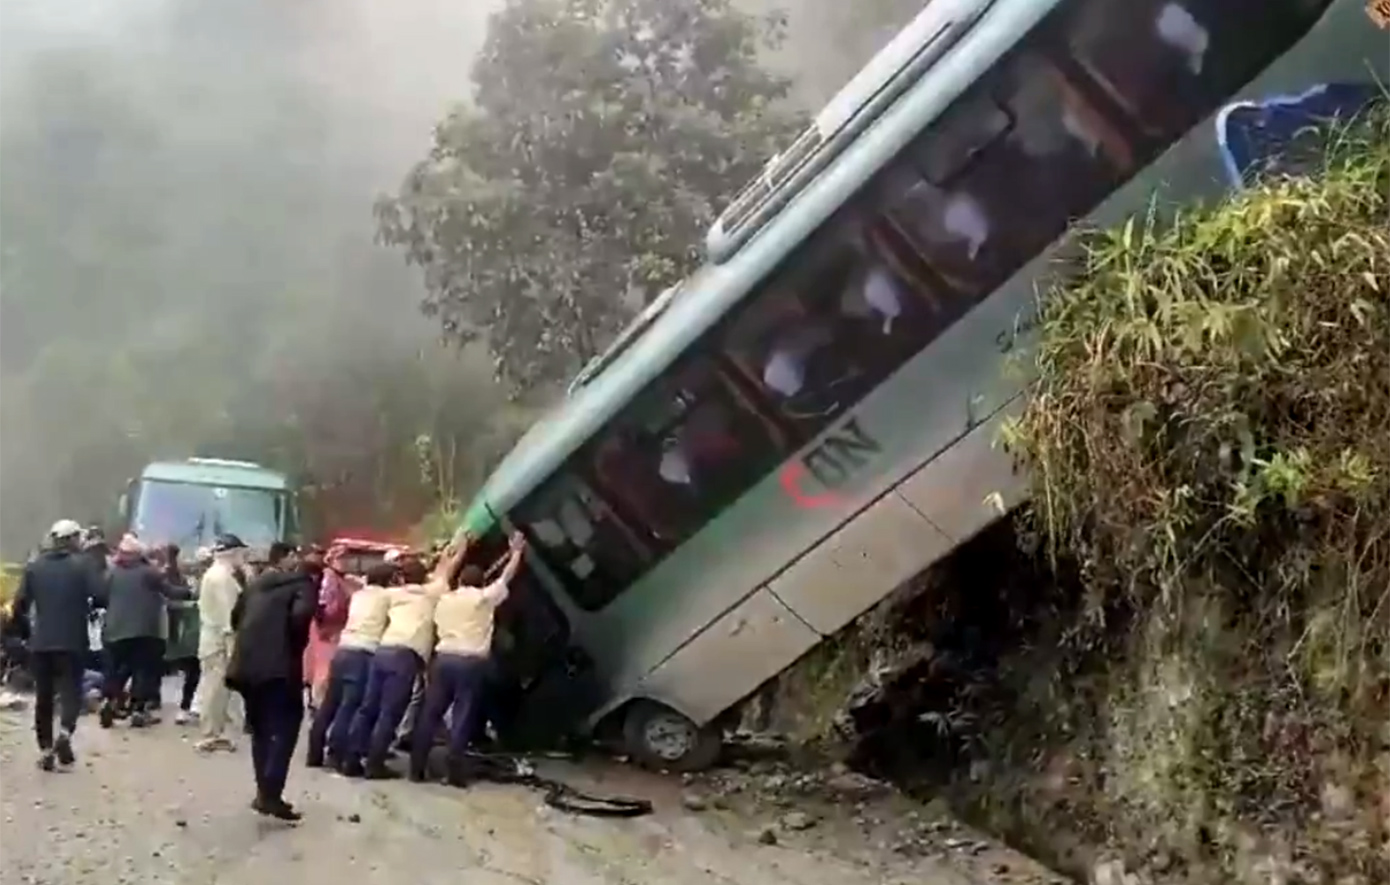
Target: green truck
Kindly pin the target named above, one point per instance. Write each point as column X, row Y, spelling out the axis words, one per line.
column 191, row 502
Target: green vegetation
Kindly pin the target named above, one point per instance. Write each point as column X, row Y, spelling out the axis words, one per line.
column 580, row 180
column 1207, row 441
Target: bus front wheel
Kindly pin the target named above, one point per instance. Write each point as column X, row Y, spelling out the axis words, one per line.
column 663, row 739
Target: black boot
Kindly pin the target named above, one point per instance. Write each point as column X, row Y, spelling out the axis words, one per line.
column 276, row 808
column 419, row 770
column 352, row 767
column 376, row 770
column 62, row 749
column 458, row 774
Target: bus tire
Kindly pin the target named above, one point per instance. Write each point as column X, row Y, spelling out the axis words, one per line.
column 662, row 739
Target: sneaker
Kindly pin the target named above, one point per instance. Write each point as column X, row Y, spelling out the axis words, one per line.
column 276, row 808
column 62, row 749
column 46, row 761
column 107, row 716
column 140, row 720
column 185, row 717
column 213, row 745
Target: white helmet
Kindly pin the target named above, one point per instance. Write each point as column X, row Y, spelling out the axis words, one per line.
column 64, row 529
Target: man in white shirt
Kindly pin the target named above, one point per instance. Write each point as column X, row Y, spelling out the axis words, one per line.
column 463, row 622
column 217, row 595
column 368, row 607
column 400, row 657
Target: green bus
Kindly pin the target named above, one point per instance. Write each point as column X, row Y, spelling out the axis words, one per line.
column 191, row 502
column 809, row 420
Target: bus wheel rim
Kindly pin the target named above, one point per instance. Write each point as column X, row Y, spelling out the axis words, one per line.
column 669, row 737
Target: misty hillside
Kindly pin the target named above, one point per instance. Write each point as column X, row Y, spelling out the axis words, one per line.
column 187, row 255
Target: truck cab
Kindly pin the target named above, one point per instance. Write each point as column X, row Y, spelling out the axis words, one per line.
column 191, row 502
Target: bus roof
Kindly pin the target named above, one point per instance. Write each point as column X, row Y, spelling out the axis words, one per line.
column 713, row 290
column 216, row 472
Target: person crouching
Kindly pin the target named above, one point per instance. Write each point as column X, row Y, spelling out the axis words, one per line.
column 464, row 622
column 271, row 623
column 406, row 642
column 346, row 686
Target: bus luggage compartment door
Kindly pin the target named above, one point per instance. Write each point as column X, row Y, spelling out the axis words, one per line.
column 730, row 658
column 863, row 561
column 971, row 484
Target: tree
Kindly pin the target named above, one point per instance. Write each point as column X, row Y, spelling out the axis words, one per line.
column 579, row 183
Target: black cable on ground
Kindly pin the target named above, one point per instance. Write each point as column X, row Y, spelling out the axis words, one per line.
column 513, row 770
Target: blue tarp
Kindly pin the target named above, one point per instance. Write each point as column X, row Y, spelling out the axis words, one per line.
column 1270, row 136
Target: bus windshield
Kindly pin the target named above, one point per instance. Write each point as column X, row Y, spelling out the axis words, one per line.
column 192, row 515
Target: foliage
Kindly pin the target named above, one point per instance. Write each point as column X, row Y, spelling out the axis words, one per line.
column 1207, row 441
column 582, row 177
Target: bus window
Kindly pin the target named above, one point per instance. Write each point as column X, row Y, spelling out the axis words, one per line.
column 581, row 540
column 1056, row 160
column 847, row 309
column 1169, row 63
column 683, row 451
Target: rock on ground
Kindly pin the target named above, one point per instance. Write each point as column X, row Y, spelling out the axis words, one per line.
column 143, row 807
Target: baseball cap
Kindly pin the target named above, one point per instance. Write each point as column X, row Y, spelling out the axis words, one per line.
column 226, row 542
column 65, row 528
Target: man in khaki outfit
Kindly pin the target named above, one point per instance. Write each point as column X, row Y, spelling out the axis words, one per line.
column 217, row 595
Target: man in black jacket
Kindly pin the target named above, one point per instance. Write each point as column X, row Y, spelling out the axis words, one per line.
column 132, row 634
column 56, row 593
column 271, row 620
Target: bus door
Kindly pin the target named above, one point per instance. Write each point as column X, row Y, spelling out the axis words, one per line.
column 542, row 687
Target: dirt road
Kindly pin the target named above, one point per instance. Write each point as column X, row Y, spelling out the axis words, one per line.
column 143, row 807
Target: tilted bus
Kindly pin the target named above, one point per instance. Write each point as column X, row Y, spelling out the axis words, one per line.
column 808, row 421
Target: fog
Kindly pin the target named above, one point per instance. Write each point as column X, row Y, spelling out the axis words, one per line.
column 188, row 261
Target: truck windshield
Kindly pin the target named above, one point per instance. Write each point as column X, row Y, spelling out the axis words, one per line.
column 192, row 515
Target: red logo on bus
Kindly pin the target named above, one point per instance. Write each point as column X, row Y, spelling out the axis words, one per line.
column 812, row 480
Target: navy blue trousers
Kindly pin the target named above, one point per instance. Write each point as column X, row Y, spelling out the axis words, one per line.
column 455, row 683
column 347, row 688
column 389, row 682
column 275, row 711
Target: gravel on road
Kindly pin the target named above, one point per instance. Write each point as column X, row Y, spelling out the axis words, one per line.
column 144, row 808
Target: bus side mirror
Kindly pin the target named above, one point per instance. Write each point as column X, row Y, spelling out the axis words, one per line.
column 123, row 506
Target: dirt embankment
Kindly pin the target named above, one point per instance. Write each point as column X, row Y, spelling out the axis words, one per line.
column 968, row 691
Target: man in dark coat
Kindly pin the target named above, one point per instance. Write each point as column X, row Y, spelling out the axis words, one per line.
column 133, row 632
column 95, row 548
column 55, row 595
column 271, row 623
